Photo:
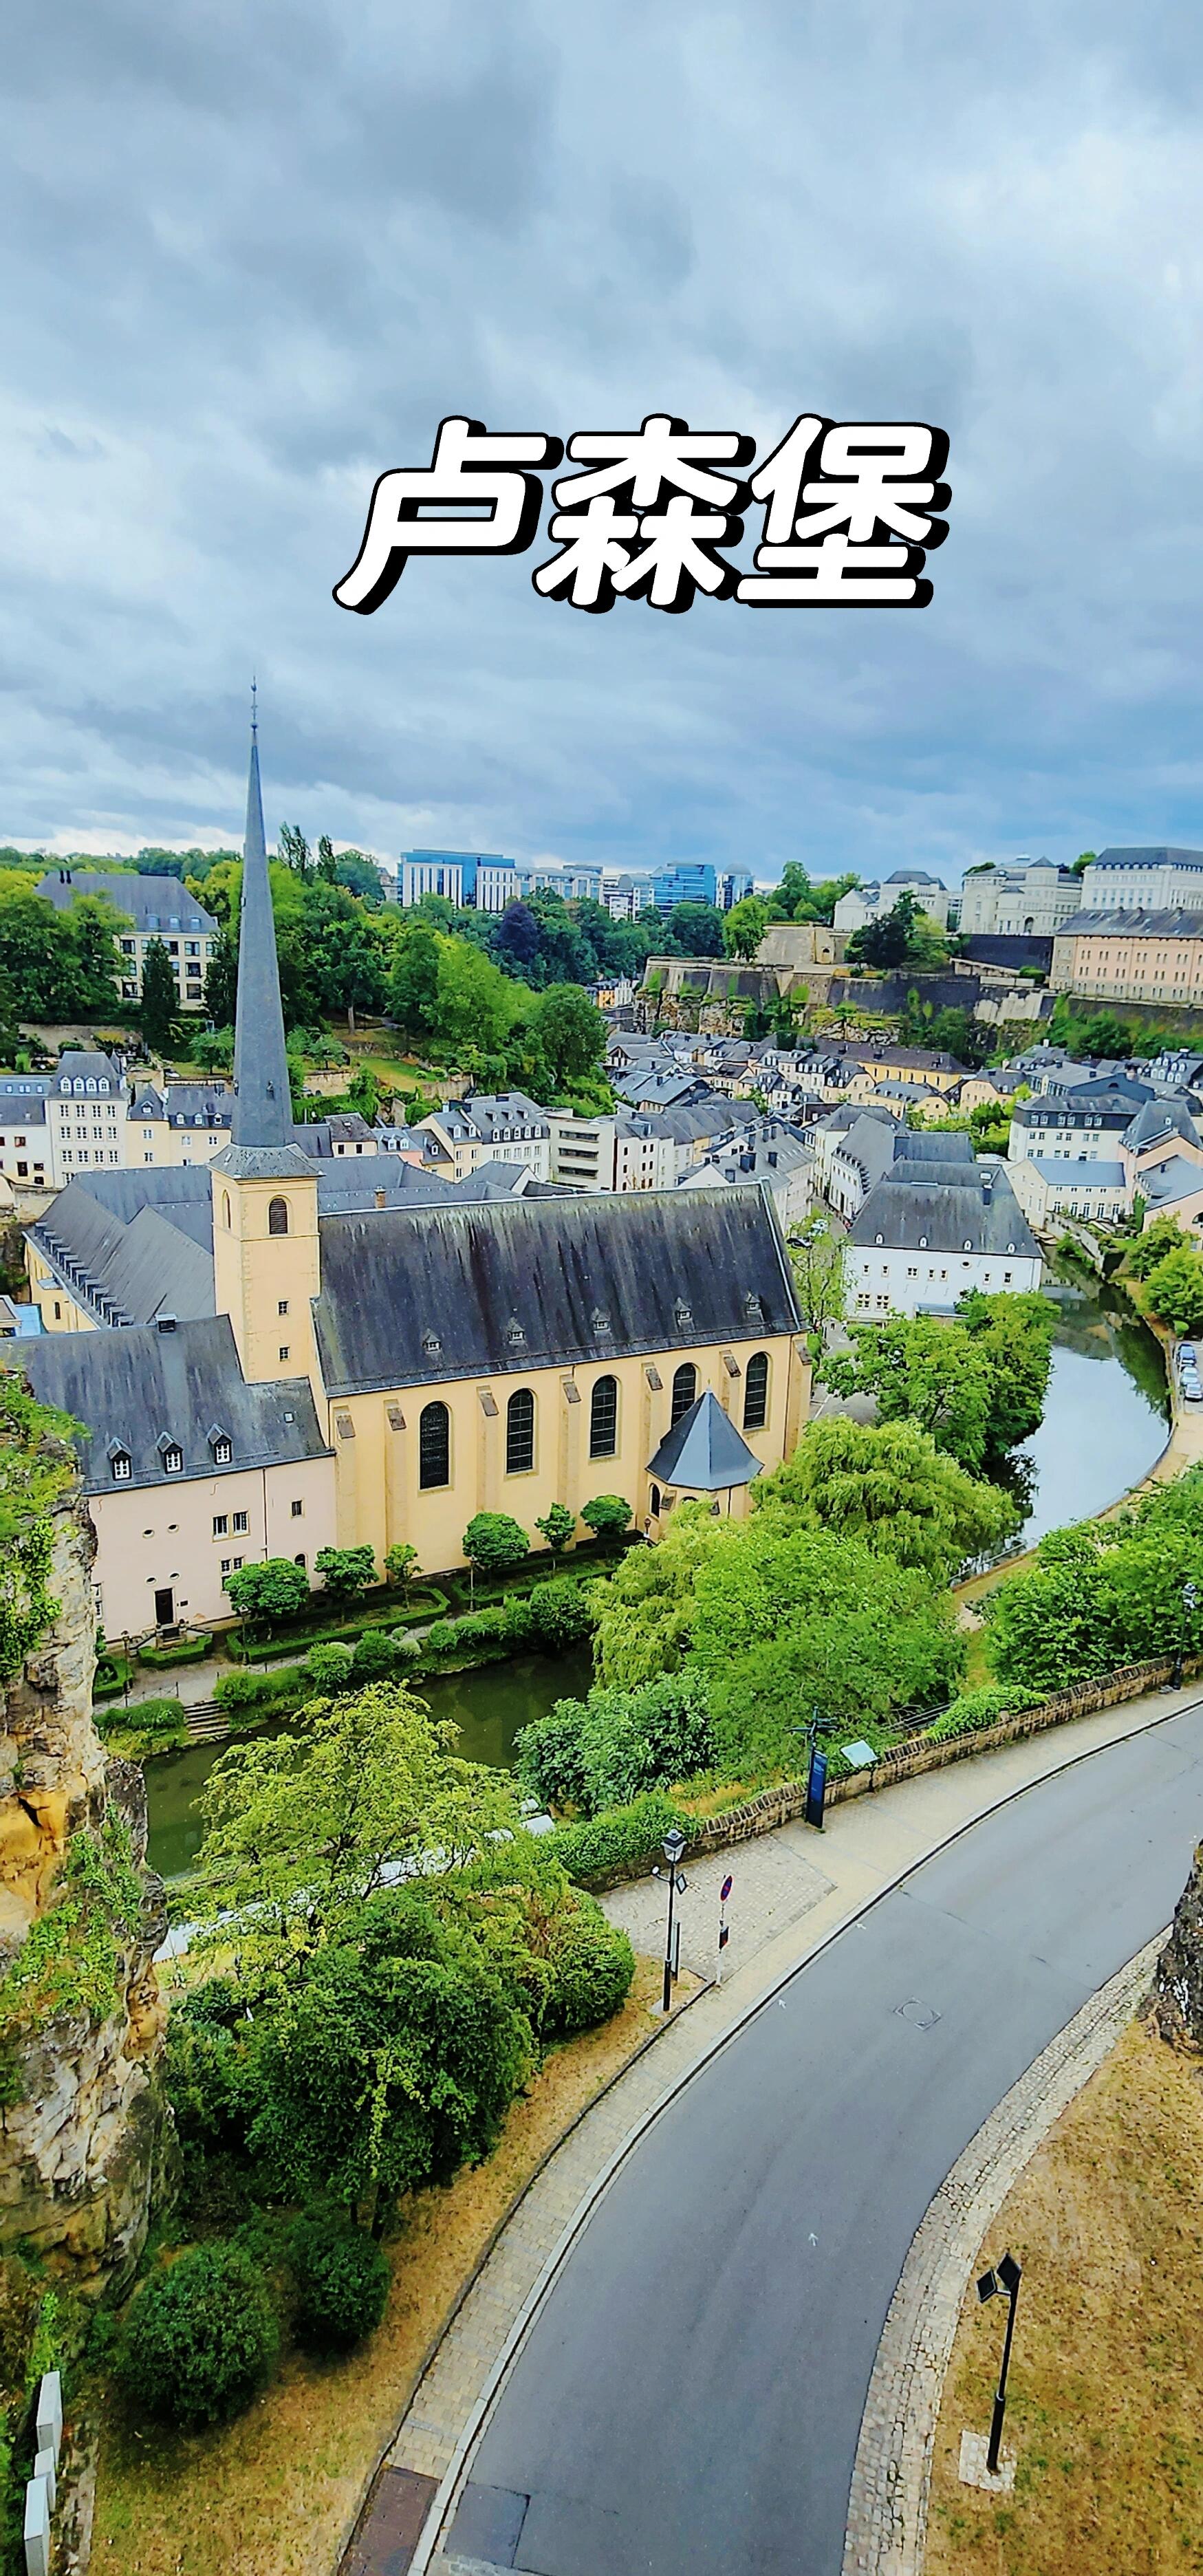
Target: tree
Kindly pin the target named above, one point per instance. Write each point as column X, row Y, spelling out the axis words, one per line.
column 160, row 999
column 401, row 1564
column 1084, row 859
column 645, row 1613
column 557, row 1527
column 494, row 1543
column 200, row 2337
column 293, row 849
column 347, row 1570
column 607, row 1749
column 816, row 1254
column 789, row 1619
column 1015, row 1335
column 920, row 1371
column 745, row 925
column 414, row 986
column 221, row 981
column 888, row 1486
column 1162, row 1236
column 699, row 929
column 364, row 1091
column 571, row 1034
column 274, row 1591
column 331, row 1815
column 608, row 1515
column 1175, row 1290
column 327, row 864
column 475, row 1004
column 516, row 938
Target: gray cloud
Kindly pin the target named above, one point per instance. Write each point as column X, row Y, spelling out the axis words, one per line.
column 248, row 262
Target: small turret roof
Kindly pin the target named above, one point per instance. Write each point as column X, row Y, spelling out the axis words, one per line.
column 704, row 1452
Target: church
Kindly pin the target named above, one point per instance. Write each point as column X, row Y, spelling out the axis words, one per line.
column 277, row 1353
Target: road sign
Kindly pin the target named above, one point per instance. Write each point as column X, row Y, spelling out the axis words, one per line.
column 725, row 1890
column 816, row 1788
column 724, row 1935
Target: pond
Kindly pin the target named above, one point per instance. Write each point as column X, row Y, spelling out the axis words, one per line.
column 488, row 1706
column 1106, row 1414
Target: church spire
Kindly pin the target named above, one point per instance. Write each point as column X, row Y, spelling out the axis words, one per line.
column 262, row 1104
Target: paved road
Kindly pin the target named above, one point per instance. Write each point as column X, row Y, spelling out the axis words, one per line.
column 690, row 2396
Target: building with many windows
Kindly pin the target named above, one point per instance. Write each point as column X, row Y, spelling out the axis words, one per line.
column 1119, row 956
column 1143, row 880
column 691, row 881
column 155, row 908
column 1027, row 901
column 391, row 1361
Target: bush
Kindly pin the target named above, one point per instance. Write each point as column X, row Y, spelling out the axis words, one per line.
column 605, row 1750
column 329, row 1667
column 593, row 1965
column 254, row 1690
column 342, row 2281
column 111, row 1676
column 621, row 1844
column 978, row 1708
column 347, row 1570
column 153, row 1717
column 555, row 1615
column 191, row 1650
column 276, row 1589
column 373, row 1656
column 494, row 1543
column 200, row 2338
column 442, row 1637
column 608, row 1515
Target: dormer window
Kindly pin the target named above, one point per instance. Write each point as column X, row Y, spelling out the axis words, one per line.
column 432, row 1348
column 171, row 1454
column 601, row 1324
column 221, row 1445
column 90, row 1085
column 121, row 1464
column 683, row 1313
column 923, row 1243
column 515, row 1335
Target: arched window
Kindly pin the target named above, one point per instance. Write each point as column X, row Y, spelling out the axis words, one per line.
column 520, row 1433
column 277, row 1216
column 685, row 1389
column 603, row 1419
column 655, row 1502
column 434, row 1446
column 756, row 1392
column 225, row 1208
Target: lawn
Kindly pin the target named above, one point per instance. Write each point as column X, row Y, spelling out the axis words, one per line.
column 269, row 2495
column 1103, row 2414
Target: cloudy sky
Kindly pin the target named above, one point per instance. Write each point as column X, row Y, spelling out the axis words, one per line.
column 250, row 257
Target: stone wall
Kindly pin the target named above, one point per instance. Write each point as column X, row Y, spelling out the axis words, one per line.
column 86, row 2145
column 1177, row 2000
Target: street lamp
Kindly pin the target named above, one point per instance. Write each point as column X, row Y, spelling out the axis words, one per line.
column 1190, row 1595
column 1005, row 2279
column 673, row 1848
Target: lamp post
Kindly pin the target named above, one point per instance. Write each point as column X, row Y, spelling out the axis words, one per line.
column 1004, row 2280
column 673, row 1848
column 1190, row 1595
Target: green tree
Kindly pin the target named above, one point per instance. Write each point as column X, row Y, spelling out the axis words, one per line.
column 570, row 1033
column 200, row 2337
column 1175, row 1290
column 401, row 1564
column 160, row 999
column 698, row 927
column 1162, row 1236
column 790, row 1619
column 885, row 941
column 645, row 1612
column 347, row 1570
column 607, row 1749
column 273, row 1591
column 921, row 1371
column 745, row 925
column 293, row 849
column 475, row 1001
column 414, row 986
column 493, row 1543
column 557, row 1526
column 327, row 864
column 1015, row 1336
column 221, row 981
column 889, row 1487
column 816, row 1254
column 608, row 1515
column 329, row 1816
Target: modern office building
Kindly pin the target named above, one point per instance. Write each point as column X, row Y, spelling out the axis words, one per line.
column 693, row 881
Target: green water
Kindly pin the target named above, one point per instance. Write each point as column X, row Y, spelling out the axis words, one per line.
column 488, row 1706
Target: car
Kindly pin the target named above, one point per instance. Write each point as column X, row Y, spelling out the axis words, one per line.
column 1186, row 1351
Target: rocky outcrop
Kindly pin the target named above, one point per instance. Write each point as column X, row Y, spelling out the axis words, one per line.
column 1177, row 2001
column 87, row 2140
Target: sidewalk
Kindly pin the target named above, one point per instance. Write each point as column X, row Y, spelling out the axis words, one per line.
column 792, row 1890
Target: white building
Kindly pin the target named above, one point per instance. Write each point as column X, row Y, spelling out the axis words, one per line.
column 422, row 872
column 872, row 902
column 1027, row 901
column 623, row 897
column 1049, row 1189
column 1143, row 881
column 916, row 1246
column 156, row 908
column 496, row 884
column 483, row 1128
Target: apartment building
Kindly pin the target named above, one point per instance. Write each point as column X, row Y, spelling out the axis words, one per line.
column 1027, row 901
column 1115, row 955
column 1144, row 880
column 866, row 903
column 156, row 908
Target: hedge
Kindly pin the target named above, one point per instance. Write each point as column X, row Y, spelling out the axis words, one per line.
column 978, row 1708
column 299, row 1639
column 619, row 1844
column 192, row 1650
column 111, row 1676
column 159, row 1723
column 256, row 1690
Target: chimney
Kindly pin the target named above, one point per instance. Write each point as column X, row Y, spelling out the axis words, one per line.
column 382, row 1198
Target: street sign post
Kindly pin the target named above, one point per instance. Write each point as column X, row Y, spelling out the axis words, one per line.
column 724, row 1929
column 816, row 1787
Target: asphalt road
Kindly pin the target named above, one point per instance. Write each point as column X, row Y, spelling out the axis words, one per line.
column 690, row 2396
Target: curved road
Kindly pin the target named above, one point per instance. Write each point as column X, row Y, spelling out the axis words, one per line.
column 689, row 2397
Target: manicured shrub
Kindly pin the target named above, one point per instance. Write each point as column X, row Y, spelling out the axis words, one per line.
column 441, row 1637
column 373, row 1656
column 553, row 1616
column 252, row 1690
column 342, row 2278
column 329, row 1667
column 620, row 1844
column 593, row 1965
column 274, row 1590
column 347, row 1570
column 191, row 1650
column 979, row 1708
column 605, row 1750
column 608, row 1515
column 200, row 2338
column 494, row 1543
column 148, row 1716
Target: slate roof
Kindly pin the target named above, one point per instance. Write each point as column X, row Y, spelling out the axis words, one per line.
column 152, row 903
column 919, row 1145
column 1148, row 858
column 126, row 1268
column 263, row 1104
column 1097, row 1175
column 1158, row 1119
column 1175, row 1179
column 704, row 1452
column 133, row 1389
column 656, row 1090
column 947, row 1217
column 1120, row 924
column 22, row 1109
column 526, row 1282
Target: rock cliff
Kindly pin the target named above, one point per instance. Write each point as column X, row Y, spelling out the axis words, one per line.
column 1178, row 1985
column 86, row 2134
